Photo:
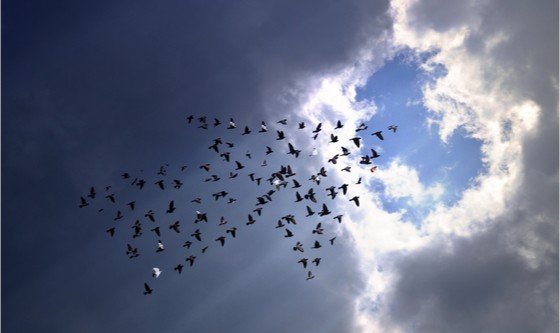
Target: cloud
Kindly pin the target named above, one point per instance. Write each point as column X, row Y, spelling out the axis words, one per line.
column 402, row 181
column 496, row 247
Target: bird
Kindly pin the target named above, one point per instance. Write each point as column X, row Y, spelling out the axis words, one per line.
column 141, row 183
column 374, row 154
column 345, row 151
column 231, row 124
column 200, row 217
column 318, row 128
column 222, row 221
column 119, row 216
column 131, row 252
column 283, row 122
column 160, row 184
column 250, row 220
column 303, row 261
column 178, row 268
column 293, row 151
column 160, row 246
column 258, row 211
column 392, row 128
column 232, row 231
column 373, row 168
column 205, row 167
column 298, row 197
column 190, row 118
column 317, row 245
column 269, row 150
column 310, row 275
column 196, row 234
column 288, row 233
column 217, row 122
column 309, row 211
column 263, row 128
column 280, row 135
column 298, row 247
column 356, row 200
column 92, row 193
column 177, row 183
column 171, row 207
column 339, row 125
column 316, row 261
column 111, row 231
column 203, row 250
column 338, row 218
column 225, row 156
column 347, row 169
column 191, row 259
column 324, row 211
column 356, row 141
column 332, row 192
column 334, row 138
column 332, row 240
column 310, row 196
column 175, row 226
column 156, row 272
column 147, row 289
column 296, row 184
column 362, row 127
column 111, row 198
column 301, row 125
column 365, row 160
column 156, row 230
column 318, row 230
column 187, row 244
column 221, row 239
column 279, row 225
column 378, row 134
column 334, row 159
column 197, row 200
column 150, row 216
column 246, row 131
column 314, row 152
column 239, row 165
column 83, row 202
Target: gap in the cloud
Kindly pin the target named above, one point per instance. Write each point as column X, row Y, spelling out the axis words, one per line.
column 397, row 90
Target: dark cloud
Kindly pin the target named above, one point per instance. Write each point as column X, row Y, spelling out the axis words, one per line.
column 94, row 90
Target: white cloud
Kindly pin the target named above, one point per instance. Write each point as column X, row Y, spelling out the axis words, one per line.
column 402, row 181
column 474, row 93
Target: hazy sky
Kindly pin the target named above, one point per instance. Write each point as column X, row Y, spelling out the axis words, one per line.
column 457, row 230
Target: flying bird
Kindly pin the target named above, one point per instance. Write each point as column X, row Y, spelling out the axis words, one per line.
column 356, row 141
column 83, row 202
column 378, row 134
column 171, row 207
column 356, row 200
column 221, row 239
column 147, row 289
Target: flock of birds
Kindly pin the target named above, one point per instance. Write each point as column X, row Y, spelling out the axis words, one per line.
column 282, row 178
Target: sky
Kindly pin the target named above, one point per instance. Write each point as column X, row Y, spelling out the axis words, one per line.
column 457, row 229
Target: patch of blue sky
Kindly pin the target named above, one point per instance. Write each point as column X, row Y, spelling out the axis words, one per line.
column 397, row 90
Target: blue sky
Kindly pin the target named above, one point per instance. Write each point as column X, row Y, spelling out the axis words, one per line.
column 396, row 89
